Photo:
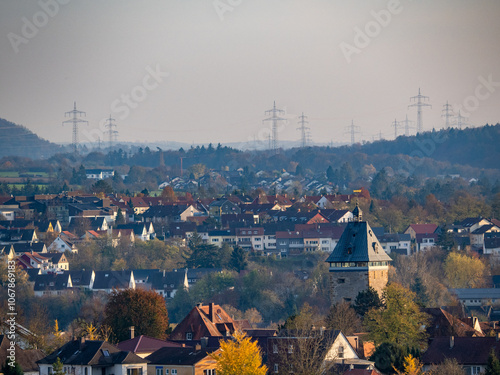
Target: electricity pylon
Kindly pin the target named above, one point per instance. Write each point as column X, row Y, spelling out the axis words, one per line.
column 353, row 130
column 275, row 119
column 113, row 134
column 461, row 120
column 407, row 125
column 303, row 129
column 447, row 113
column 75, row 121
column 420, row 104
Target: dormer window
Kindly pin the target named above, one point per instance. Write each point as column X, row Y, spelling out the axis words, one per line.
column 189, row 336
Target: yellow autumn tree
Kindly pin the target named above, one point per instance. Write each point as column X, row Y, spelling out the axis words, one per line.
column 239, row 357
column 412, row 366
column 463, row 271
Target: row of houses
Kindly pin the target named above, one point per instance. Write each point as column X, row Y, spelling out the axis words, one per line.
column 195, row 341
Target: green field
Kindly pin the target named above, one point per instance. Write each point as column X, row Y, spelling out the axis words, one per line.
column 31, row 174
column 9, row 174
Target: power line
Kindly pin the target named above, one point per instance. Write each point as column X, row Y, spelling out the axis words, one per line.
column 303, row 129
column 74, row 114
column 275, row 119
column 447, row 113
column 420, row 104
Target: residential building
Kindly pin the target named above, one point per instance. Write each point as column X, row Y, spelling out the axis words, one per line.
column 93, row 357
column 182, row 361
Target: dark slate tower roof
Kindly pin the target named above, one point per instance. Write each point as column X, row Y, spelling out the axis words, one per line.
column 358, row 243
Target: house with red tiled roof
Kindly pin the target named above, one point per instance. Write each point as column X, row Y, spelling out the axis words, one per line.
column 414, row 229
column 210, row 321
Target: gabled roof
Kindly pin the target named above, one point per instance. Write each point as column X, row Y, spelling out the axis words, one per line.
column 470, row 221
column 52, row 281
column 358, row 243
column 423, row 228
column 466, row 350
column 38, row 247
column 81, row 277
column 445, row 324
column 205, row 321
column 485, row 228
column 178, row 356
column 145, row 344
column 112, row 279
column 91, row 353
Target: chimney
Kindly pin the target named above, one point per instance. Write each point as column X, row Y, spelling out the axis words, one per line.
column 211, row 311
column 81, row 342
column 132, row 332
column 452, row 342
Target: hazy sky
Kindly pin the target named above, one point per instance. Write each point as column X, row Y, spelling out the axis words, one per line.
column 206, row 70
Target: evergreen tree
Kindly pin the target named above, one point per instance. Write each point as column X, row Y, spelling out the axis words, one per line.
column 12, row 370
column 120, row 219
column 366, row 300
column 421, row 291
column 238, row 259
column 57, row 367
column 493, row 367
column 446, row 240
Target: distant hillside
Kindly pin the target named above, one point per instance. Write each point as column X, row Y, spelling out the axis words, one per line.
column 476, row 147
column 16, row 140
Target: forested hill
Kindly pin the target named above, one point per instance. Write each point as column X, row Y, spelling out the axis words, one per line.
column 16, row 140
column 476, row 147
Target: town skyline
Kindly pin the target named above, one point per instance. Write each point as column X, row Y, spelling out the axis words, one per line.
column 207, row 72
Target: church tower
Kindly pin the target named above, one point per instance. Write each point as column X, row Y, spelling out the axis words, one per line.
column 357, row 262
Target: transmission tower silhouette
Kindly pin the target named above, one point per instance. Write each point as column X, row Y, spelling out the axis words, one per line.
column 112, row 134
column 461, row 120
column 74, row 114
column 447, row 113
column 275, row 118
column 353, row 130
column 396, row 124
column 419, row 102
column 407, row 125
column 304, row 138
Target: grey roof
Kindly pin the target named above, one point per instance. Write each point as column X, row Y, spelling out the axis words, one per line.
column 178, row 356
column 51, row 281
column 358, row 243
column 112, row 279
column 91, row 352
column 80, row 278
column 477, row 293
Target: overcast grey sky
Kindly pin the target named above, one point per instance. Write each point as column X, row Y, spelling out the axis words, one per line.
column 206, row 70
